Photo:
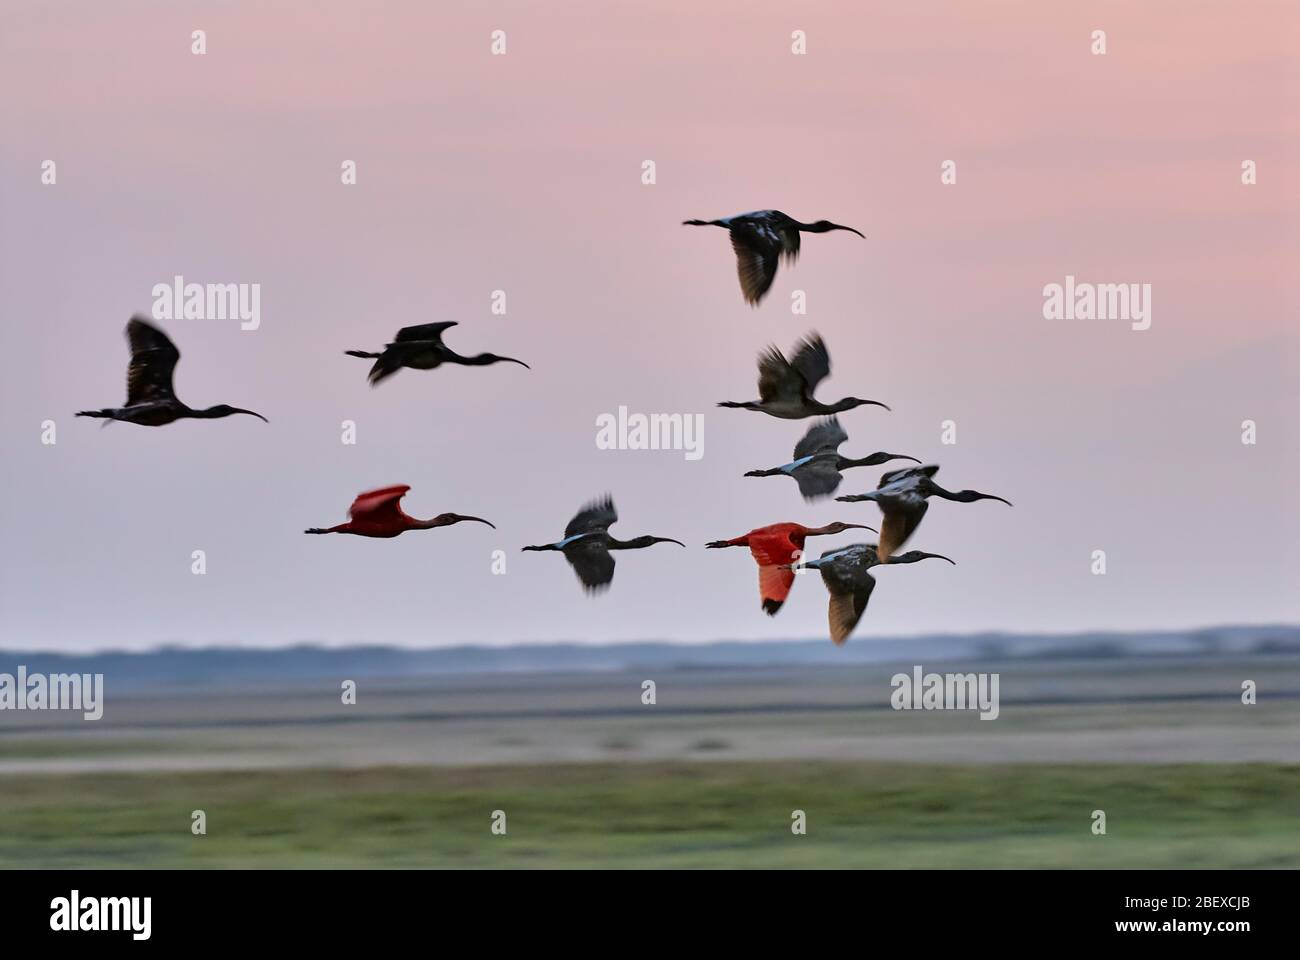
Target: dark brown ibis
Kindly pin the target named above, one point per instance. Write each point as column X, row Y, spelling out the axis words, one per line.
column 421, row 348
column 150, row 399
column 817, row 461
column 846, row 574
column 587, row 544
column 902, row 498
column 761, row 239
column 785, row 387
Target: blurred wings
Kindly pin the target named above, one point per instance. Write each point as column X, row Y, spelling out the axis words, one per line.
column 153, row 358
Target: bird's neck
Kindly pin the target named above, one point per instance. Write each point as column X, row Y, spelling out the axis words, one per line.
column 478, row 360
column 819, row 531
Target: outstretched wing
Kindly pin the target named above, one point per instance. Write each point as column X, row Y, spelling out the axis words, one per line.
column 819, row 477
column 849, row 585
column 757, row 249
column 917, row 473
column 423, row 331
column 902, row 517
column 379, row 506
column 789, row 244
column 812, row 360
column 598, row 515
column 824, row 436
column 153, row 358
column 846, row 609
column 774, row 585
column 773, row 554
column 592, row 562
column 777, row 380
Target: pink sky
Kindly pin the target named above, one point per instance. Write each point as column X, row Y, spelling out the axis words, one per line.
column 522, row 172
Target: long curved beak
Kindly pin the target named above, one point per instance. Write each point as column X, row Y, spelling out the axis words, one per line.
column 669, row 540
column 989, row 496
column 877, row 403
column 934, row 556
column 251, row 413
column 899, row 456
column 860, row 526
column 838, row 226
column 477, row 520
column 520, row 362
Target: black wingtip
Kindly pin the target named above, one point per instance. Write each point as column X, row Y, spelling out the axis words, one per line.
column 770, row 607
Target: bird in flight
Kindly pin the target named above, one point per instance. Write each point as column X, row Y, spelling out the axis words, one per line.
column 846, row 573
column 901, row 496
column 587, row 544
column 378, row 513
column 774, row 548
column 760, row 240
column 785, row 387
column 817, row 461
column 421, row 348
column 150, row 399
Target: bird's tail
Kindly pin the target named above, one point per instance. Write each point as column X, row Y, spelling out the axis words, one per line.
column 383, row 367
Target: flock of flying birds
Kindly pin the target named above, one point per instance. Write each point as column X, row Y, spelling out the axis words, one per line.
column 785, row 390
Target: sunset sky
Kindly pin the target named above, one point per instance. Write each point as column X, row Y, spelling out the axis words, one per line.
column 523, row 173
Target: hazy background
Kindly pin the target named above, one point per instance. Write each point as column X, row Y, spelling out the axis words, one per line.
column 522, row 173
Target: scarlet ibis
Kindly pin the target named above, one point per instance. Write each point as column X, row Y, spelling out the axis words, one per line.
column 587, row 543
column 901, row 495
column 150, row 399
column 785, row 387
column 846, row 573
column 421, row 348
column 760, row 239
column 774, row 548
column 378, row 513
column 817, row 462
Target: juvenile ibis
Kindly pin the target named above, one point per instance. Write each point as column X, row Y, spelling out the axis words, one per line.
column 817, row 461
column 150, row 399
column 901, row 495
column 846, row 573
column 760, row 240
column 378, row 513
column 774, row 548
column 587, row 544
column 785, row 387
column 421, row 348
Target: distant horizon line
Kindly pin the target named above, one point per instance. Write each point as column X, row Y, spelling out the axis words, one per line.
column 317, row 645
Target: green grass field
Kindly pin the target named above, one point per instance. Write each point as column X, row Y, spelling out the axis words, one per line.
column 682, row 814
